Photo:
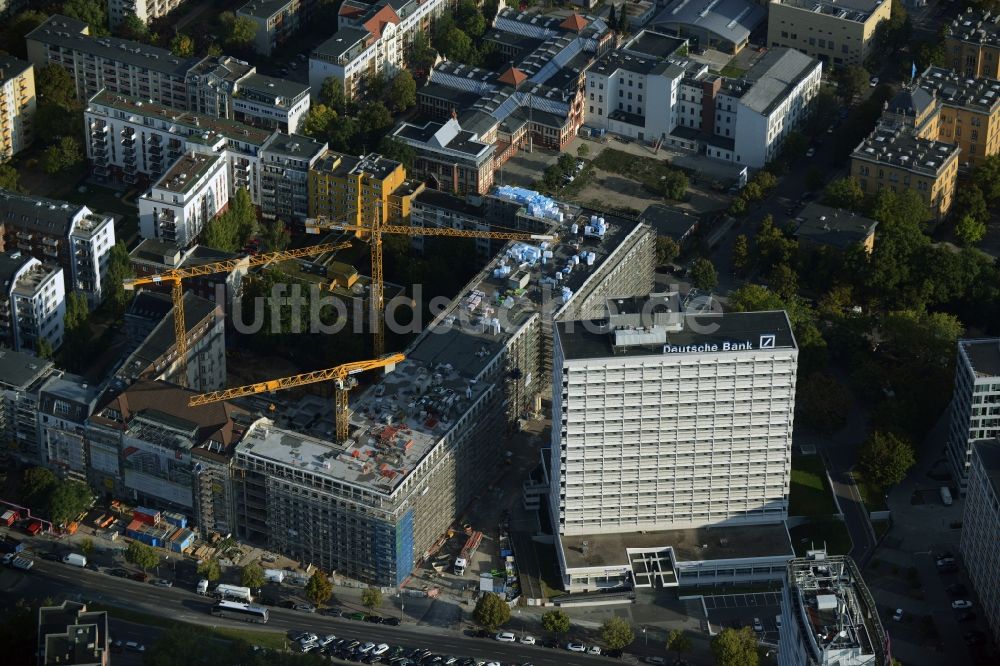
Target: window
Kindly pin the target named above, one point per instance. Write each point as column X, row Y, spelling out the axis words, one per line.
column 784, row 33
column 630, row 95
column 812, row 41
column 640, row 98
column 591, row 97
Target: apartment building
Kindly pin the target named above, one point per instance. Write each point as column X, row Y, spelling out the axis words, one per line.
column 972, row 43
column 70, row 235
column 150, row 257
column 270, row 103
column 371, row 39
column 21, row 376
column 155, row 357
column 277, row 21
column 452, row 158
column 212, row 82
column 975, row 403
column 836, row 229
column 17, row 105
column 969, row 112
column 144, row 10
column 64, row 404
column 980, row 526
column 32, row 302
column 892, row 157
column 677, row 101
column 179, row 205
column 828, row 615
column 836, row 33
column 286, row 162
column 371, row 507
column 70, row 635
column 352, row 189
column 133, row 141
column 146, row 445
column 646, row 394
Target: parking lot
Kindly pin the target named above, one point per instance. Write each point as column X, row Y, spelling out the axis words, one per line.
column 740, row 610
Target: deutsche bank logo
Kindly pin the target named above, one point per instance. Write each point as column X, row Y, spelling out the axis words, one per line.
column 767, row 342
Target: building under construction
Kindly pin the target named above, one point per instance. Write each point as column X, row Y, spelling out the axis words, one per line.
column 428, row 438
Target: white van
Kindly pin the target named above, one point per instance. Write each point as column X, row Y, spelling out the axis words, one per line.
column 202, row 588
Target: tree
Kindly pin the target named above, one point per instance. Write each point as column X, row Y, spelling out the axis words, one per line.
column 240, row 31
column 422, row 54
column 667, row 250
column 738, row 207
column 87, row 546
column 252, row 576
column 54, row 85
column 318, row 121
column 613, row 17
column 987, row 178
column 133, row 28
column 851, row 80
column 210, row 570
column 490, row 9
column 182, row 46
column 971, row 201
column 332, row 95
column 822, row 403
column 583, row 150
column 37, row 484
column 970, row 230
column 703, row 275
column 244, row 214
column 395, row 149
column 19, row 26
column 844, row 193
column 617, row 633
column 44, row 349
column 375, row 119
column 741, row 253
column 68, row 500
column 491, row 612
column 221, row 233
column 371, row 598
column 457, row 46
column 623, row 22
column 91, row 12
column 675, row 184
column 119, row 270
column 402, row 91
column 930, row 52
column 784, row 280
column 76, row 321
column 141, row 555
column 469, row 19
column 276, row 236
column 736, row 647
column 64, row 155
column 556, row 622
column 885, row 458
column 319, row 589
column 679, row 642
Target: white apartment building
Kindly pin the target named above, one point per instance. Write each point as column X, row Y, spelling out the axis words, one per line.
column 64, row 404
column 134, row 141
column 284, row 177
column 54, row 231
column 276, row 20
column 21, row 375
column 270, row 103
column 745, row 121
column 671, row 425
column 371, row 39
column 980, row 527
column 17, row 105
column 144, row 10
column 179, row 205
column 828, row 616
column 975, row 404
column 32, row 301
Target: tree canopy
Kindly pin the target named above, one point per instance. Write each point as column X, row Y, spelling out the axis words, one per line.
column 556, row 621
column 319, row 589
column 92, row 12
column 371, row 598
column 240, row 31
column 617, row 633
column 703, row 274
column 491, row 612
column 885, row 458
column 143, row 556
column 736, row 647
column 252, row 576
column 210, row 570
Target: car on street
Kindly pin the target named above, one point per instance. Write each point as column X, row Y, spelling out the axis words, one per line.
column 593, row 649
column 810, row 152
column 117, row 645
column 576, row 647
column 374, row 619
column 505, row 637
column 945, row 561
column 51, row 557
column 326, row 640
column 161, row 582
column 391, row 621
column 380, row 649
column 304, row 607
column 947, row 568
column 946, row 554
column 873, row 81
column 353, row 616
column 135, row 646
column 117, row 572
column 961, row 604
column 528, row 640
column 898, row 615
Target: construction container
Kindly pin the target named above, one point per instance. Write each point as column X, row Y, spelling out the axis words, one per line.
column 148, row 516
column 9, row 517
column 175, row 519
column 181, row 540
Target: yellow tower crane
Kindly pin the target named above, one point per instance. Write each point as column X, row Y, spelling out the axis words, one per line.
column 176, row 276
column 377, row 228
column 342, row 376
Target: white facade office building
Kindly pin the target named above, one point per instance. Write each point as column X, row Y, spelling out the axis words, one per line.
column 828, row 616
column 980, row 527
column 665, row 423
column 975, row 405
column 179, row 205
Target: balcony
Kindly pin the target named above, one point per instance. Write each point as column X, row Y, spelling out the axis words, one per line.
column 130, row 158
column 130, row 169
column 129, row 141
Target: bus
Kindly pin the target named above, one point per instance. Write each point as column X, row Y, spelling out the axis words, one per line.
column 233, row 593
column 237, row 611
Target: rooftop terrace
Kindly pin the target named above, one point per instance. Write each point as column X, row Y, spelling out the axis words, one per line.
column 983, row 355
column 186, row 172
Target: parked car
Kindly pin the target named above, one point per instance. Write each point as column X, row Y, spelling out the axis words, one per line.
column 873, row 81
column 576, row 647
column 51, row 557
column 391, row 621
column 135, row 646
column 594, row 649
column 359, row 616
column 506, row 637
column 945, row 561
column 758, row 626
column 304, row 607
column 161, row 582
column 326, row 640
column 947, row 568
column 961, row 604
column 528, row 640
column 374, row 619
column 810, row 152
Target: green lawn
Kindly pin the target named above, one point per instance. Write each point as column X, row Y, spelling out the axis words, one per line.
column 732, row 72
column 818, row 531
column 873, row 497
column 548, row 565
column 646, row 170
column 810, row 493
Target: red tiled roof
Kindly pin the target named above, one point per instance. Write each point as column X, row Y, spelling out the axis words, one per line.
column 574, row 22
column 513, row 77
column 377, row 22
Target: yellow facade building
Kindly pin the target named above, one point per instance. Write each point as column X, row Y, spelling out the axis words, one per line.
column 17, row 105
column 969, row 115
column 352, row 190
column 835, row 33
column 972, row 44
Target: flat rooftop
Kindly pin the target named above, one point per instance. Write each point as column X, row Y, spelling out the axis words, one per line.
column 897, row 147
column 700, row 333
column 856, row 11
column 989, row 453
column 19, row 370
column 984, row 355
column 723, row 543
column 981, row 94
column 186, row 172
column 836, row 227
column 976, row 26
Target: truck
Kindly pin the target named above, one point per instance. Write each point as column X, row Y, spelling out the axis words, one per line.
column 10, row 545
column 33, row 528
column 274, row 575
column 233, row 593
column 945, row 496
column 9, row 517
column 468, row 552
column 202, row 588
column 22, row 563
column 75, row 559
